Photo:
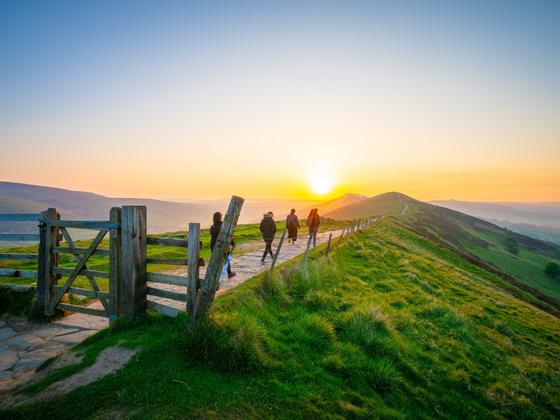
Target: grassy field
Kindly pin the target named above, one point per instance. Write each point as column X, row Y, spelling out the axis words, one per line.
column 243, row 235
column 391, row 325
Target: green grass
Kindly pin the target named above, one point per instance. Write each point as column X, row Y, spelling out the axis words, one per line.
column 391, row 325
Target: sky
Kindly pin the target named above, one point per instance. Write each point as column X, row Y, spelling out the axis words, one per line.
column 283, row 99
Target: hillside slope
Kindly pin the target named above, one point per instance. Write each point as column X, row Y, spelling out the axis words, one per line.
column 380, row 205
column 392, row 326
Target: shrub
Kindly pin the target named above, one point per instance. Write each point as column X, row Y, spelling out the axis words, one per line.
column 367, row 328
column 552, row 270
column 511, row 246
column 232, row 342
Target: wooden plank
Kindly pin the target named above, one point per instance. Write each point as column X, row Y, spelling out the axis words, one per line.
column 133, row 261
column 193, row 267
column 93, row 273
column 115, row 285
column 167, row 261
column 81, row 309
column 181, row 243
column 167, row 294
column 18, row 257
column 26, row 217
column 44, row 273
column 217, row 260
column 9, row 272
column 19, row 288
column 86, row 292
column 163, row 309
column 19, row 237
column 78, row 269
column 77, row 255
column 82, row 224
column 279, row 248
column 167, row 279
column 80, row 251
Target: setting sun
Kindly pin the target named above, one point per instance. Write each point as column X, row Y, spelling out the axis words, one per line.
column 320, row 183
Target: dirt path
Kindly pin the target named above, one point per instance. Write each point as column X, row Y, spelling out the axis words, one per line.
column 405, row 205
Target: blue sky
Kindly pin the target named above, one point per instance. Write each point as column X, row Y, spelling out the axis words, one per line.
column 384, row 95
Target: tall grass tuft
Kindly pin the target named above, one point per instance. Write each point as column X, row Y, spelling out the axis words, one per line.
column 229, row 342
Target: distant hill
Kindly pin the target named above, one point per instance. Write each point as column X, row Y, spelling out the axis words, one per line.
column 384, row 204
column 540, row 214
column 330, row 206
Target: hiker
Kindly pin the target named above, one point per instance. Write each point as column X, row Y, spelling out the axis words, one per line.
column 313, row 222
column 268, row 230
column 214, row 233
column 292, row 224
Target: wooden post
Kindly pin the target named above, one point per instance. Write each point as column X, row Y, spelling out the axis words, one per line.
column 340, row 237
column 217, row 260
column 193, row 270
column 278, row 248
column 45, row 278
column 328, row 245
column 307, row 249
column 133, row 261
column 115, row 280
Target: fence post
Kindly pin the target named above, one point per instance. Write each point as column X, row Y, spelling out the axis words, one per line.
column 340, row 237
column 307, row 249
column 115, row 280
column 48, row 237
column 278, row 249
column 217, row 260
column 133, row 261
column 328, row 245
column 193, row 267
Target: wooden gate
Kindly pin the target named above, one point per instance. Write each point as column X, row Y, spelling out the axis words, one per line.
column 60, row 281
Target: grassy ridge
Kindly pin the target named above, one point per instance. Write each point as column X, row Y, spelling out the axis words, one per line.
column 392, row 325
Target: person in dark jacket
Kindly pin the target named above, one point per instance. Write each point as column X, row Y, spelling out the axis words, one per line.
column 214, row 233
column 313, row 222
column 268, row 230
column 292, row 224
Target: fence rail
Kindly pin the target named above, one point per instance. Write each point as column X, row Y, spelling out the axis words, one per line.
column 22, row 217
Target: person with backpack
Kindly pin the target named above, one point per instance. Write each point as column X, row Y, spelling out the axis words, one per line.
column 268, row 230
column 313, row 222
column 214, row 233
column 292, row 224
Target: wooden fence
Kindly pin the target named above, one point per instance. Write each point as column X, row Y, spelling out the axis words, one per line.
column 125, row 250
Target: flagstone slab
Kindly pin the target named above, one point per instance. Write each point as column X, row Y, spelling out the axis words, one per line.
column 6, row 332
column 8, row 358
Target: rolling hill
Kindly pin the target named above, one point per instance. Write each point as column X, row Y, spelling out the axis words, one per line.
column 380, row 205
column 390, row 325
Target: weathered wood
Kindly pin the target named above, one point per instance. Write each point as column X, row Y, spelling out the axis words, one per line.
column 309, row 240
column 80, row 251
column 42, row 268
column 181, row 243
column 193, row 267
column 115, row 284
column 77, row 270
column 19, row 217
column 68, row 271
column 19, row 237
column 211, row 280
column 9, row 272
column 77, row 256
column 167, row 279
column 19, row 288
column 278, row 248
column 328, row 245
column 86, row 292
column 52, row 239
column 83, row 224
column 167, row 294
column 167, row 261
column 163, row 309
column 81, row 309
column 18, row 257
column 133, row 261
column 340, row 237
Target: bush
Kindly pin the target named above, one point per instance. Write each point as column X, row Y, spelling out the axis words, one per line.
column 231, row 342
column 552, row 270
column 511, row 246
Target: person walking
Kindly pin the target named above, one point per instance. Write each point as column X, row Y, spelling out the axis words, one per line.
column 313, row 222
column 214, row 233
column 268, row 230
column 292, row 224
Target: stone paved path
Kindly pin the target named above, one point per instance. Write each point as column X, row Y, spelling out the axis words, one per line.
column 25, row 346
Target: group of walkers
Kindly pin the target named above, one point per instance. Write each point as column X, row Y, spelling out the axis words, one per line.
column 268, row 230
